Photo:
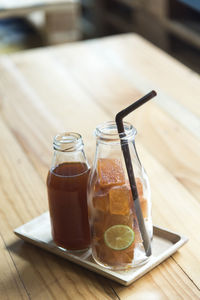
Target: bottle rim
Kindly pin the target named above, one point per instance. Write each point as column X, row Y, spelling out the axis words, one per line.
column 107, row 132
column 68, row 142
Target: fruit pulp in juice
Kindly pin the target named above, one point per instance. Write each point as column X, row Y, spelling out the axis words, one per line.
column 113, row 206
column 67, row 195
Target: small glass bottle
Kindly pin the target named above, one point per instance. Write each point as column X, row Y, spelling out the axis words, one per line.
column 116, row 238
column 67, row 192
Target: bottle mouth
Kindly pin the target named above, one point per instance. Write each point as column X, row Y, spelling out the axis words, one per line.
column 68, row 142
column 107, row 132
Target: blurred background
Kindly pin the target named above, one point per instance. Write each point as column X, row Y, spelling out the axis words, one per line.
column 172, row 25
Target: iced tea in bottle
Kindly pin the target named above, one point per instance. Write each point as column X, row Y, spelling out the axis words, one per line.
column 116, row 238
column 67, row 193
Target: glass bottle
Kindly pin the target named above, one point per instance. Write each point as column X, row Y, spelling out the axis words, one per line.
column 116, row 238
column 67, row 192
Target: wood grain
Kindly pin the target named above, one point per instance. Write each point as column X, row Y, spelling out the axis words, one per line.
column 75, row 87
column 174, row 207
column 168, row 275
column 11, row 286
column 159, row 128
column 24, row 199
column 154, row 66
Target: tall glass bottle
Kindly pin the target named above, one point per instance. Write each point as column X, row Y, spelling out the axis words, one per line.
column 67, row 192
column 116, row 238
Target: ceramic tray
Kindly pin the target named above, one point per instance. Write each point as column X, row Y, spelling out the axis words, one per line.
column 165, row 243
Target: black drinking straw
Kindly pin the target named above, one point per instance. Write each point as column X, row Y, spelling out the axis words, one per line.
column 127, row 158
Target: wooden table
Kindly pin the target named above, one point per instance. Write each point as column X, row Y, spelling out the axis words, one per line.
column 75, row 87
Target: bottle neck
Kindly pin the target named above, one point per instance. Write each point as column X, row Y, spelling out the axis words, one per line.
column 66, row 157
column 68, row 149
column 68, row 142
column 107, row 134
column 109, row 142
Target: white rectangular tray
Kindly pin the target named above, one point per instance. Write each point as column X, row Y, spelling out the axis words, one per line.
column 165, row 243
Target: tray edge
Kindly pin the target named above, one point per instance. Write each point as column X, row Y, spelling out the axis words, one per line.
column 97, row 269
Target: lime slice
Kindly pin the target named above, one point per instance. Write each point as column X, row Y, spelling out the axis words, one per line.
column 119, row 237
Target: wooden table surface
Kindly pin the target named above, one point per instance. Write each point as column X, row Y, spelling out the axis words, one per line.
column 75, row 87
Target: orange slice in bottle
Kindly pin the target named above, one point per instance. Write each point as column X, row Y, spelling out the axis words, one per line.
column 119, row 200
column 110, row 172
column 100, row 202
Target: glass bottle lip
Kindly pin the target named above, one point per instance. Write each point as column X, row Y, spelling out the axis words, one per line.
column 68, row 142
column 107, row 132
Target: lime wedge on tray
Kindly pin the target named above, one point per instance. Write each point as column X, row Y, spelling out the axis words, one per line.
column 119, row 237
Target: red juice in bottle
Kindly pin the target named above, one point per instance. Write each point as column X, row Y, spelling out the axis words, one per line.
column 67, row 196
